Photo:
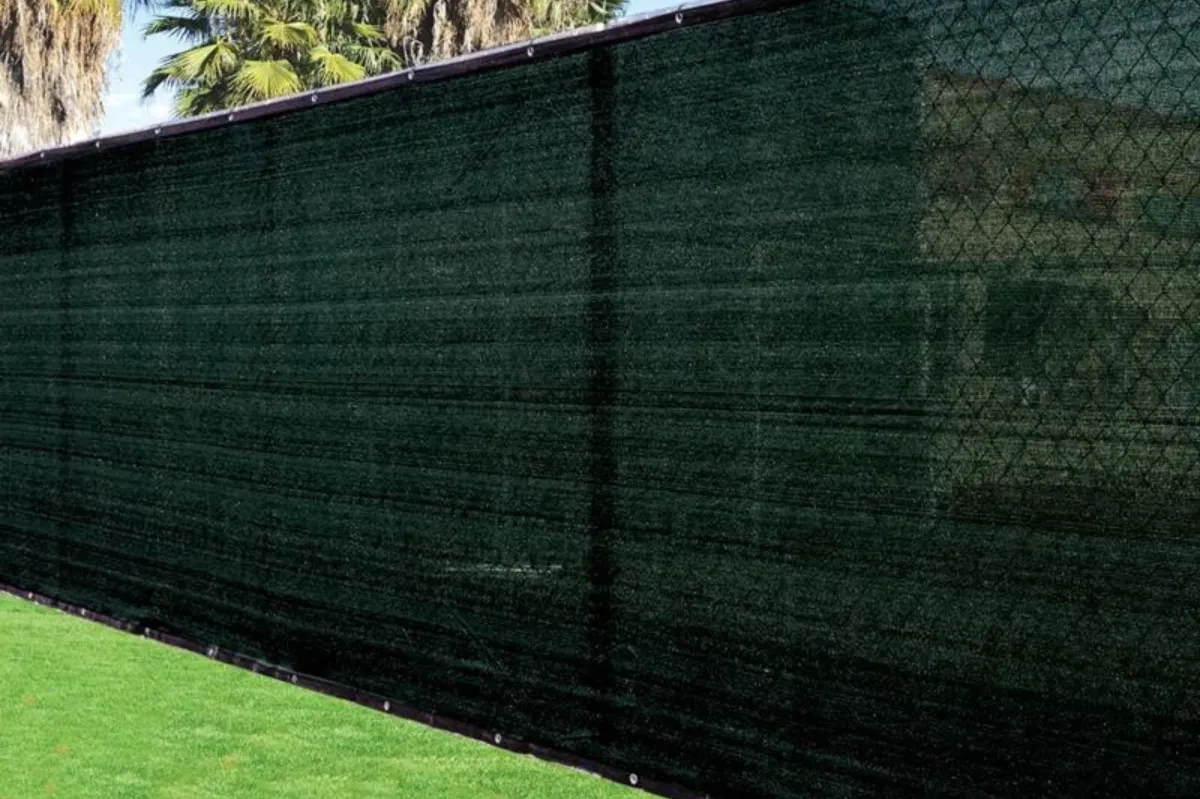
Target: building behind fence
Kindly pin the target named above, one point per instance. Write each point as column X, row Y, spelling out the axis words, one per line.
column 797, row 401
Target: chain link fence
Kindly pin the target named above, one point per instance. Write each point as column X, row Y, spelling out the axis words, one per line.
column 1061, row 169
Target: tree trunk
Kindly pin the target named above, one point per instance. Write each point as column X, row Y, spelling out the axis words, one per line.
column 52, row 71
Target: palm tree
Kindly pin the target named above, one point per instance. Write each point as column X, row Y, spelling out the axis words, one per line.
column 436, row 29
column 248, row 50
column 53, row 55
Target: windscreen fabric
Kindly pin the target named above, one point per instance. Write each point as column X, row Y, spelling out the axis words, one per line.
column 795, row 404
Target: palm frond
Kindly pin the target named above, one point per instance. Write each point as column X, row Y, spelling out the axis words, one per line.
column 244, row 10
column 264, row 80
column 375, row 60
column 185, row 28
column 366, row 32
column 289, row 35
column 206, row 62
column 333, row 68
column 159, row 77
column 196, row 100
column 203, row 65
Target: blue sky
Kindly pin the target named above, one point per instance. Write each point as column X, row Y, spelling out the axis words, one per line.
column 137, row 57
column 134, row 61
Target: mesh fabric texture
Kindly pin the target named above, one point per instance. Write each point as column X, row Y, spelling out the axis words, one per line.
column 798, row 404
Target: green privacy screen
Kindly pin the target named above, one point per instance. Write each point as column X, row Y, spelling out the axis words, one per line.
column 793, row 402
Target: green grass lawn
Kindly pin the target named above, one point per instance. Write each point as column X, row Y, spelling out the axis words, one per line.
column 88, row 711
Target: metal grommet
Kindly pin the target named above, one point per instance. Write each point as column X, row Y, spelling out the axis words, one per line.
column 529, row 51
column 314, row 98
column 97, row 145
column 411, row 74
column 83, row 613
column 633, row 779
column 497, row 738
column 231, row 117
column 212, row 650
column 41, row 155
column 387, row 706
column 293, row 679
column 157, row 131
column 678, row 21
column 31, row 595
